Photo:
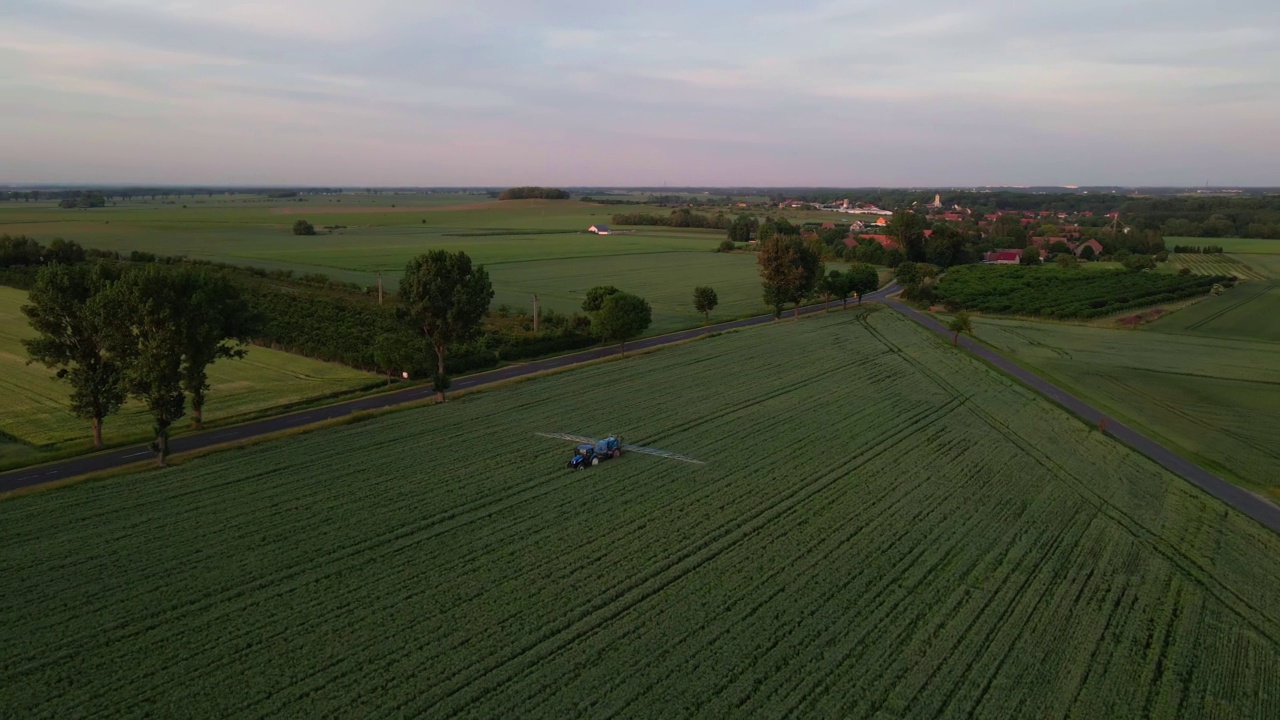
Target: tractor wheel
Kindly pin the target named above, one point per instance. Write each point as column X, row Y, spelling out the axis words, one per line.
column 617, row 452
column 595, row 461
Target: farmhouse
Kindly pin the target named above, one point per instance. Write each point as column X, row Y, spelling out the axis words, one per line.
column 885, row 241
column 599, row 229
column 1002, row 257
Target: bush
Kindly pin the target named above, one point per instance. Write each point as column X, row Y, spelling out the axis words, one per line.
column 302, row 227
column 726, row 246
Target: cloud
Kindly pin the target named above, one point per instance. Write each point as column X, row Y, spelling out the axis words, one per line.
column 492, row 91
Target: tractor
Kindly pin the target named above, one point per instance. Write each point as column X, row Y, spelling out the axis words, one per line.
column 593, row 454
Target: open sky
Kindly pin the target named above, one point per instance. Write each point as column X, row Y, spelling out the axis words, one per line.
column 569, row 92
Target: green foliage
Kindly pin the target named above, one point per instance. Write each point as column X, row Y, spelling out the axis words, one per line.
column 961, row 322
column 1029, row 256
column 1051, row 292
column 907, row 228
column 533, row 193
column 302, row 227
column 73, row 335
column 908, row 273
column 1087, row 254
column 148, row 339
column 83, row 199
column 789, row 271
column 863, row 278
column 679, row 218
column 443, row 295
column 215, row 321
column 705, row 300
column 726, row 246
column 743, row 229
column 1067, row 261
column 596, row 296
column 622, row 316
column 1137, row 263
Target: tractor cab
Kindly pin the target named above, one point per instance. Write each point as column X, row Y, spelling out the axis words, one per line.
column 589, row 455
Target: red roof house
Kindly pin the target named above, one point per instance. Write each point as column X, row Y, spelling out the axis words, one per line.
column 885, row 241
column 850, row 242
column 1002, row 257
column 1090, row 243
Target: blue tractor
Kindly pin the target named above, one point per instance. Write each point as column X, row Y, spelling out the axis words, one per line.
column 588, row 454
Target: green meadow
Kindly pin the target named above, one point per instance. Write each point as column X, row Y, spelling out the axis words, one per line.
column 35, row 420
column 529, row 246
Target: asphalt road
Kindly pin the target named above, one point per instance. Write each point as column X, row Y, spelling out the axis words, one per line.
column 109, row 459
column 1233, row 495
column 1238, row 498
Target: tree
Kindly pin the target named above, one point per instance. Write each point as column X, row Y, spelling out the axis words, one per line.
column 705, row 300
column 726, row 246
column 72, row 335
column 596, row 297
column 149, row 342
column 1057, row 247
column 302, row 227
column 908, row 273
column 1138, row 263
column 215, row 320
column 742, row 228
column 834, row 284
column 1067, row 261
column 622, row 316
column 789, row 270
column 960, row 323
column 1029, row 256
column 447, row 298
column 863, row 278
column 907, row 228
column 394, row 351
column 1087, row 254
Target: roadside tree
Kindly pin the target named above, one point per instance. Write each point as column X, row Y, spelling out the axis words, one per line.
column 960, row 323
column 596, row 296
column 72, row 335
column 789, row 270
column 216, row 324
column 863, row 278
column 622, row 316
column 444, row 295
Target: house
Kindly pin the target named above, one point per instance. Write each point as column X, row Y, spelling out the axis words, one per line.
column 928, row 233
column 1044, row 242
column 952, row 217
column 882, row 222
column 1002, row 257
column 885, row 241
column 828, row 226
column 1091, row 243
column 599, row 229
column 857, row 225
column 850, row 243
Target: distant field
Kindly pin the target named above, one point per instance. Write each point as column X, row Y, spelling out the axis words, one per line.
column 1216, row 399
column 884, row 527
column 1249, row 311
column 1231, row 245
column 1218, row 264
column 33, row 405
column 528, row 245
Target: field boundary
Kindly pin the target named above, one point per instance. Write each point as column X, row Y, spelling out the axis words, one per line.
column 1249, row 503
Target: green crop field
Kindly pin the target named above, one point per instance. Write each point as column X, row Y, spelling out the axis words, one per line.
column 1249, row 311
column 883, row 527
column 1231, row 245
column 33, row 405
column 529, row 246
column 1217, row 264
column 1215, row 399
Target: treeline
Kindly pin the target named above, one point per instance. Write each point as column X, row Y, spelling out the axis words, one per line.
column 127, row 193
column 533, row 193
column 1199, row 249
column 681, row 218
column 87, row 199
column 148, row 332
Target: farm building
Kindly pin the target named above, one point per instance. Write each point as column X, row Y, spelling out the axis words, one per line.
column 1002, row 257
column 599, row 229
column 1091, row 243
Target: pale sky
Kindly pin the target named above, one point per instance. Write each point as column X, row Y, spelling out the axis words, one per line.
column 569, row 92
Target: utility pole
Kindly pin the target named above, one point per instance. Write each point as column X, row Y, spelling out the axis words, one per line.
column 379, row 287
column 535, row 313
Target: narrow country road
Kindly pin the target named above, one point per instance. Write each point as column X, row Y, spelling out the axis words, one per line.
column 109, row 459
column 1246, row 502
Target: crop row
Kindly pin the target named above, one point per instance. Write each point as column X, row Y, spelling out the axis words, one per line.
column 882, row 525
column 1058, row 293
